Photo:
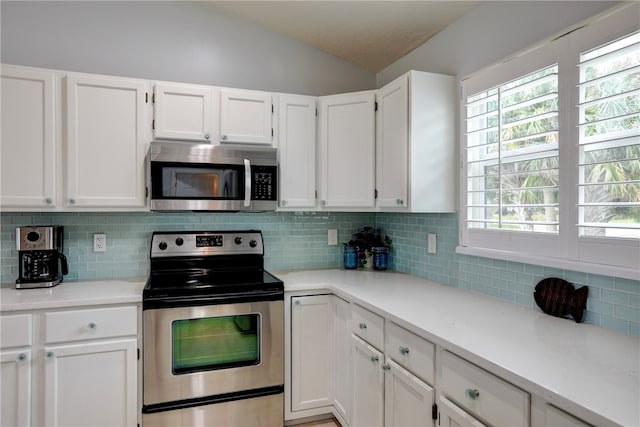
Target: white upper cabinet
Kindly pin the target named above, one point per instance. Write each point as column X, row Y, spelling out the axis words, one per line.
column 183, row 112
column 246, row 117
column 29, row 147
column 347, row 150
column 297, row 151
column 392, row 148
column 106, row 141
column 416, row 163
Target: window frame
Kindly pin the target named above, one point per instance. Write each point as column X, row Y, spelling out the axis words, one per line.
column 567, row 249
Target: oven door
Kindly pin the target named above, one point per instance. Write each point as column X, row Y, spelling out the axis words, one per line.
column 195, row 352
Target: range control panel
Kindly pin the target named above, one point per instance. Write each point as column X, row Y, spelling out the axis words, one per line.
column 206, row 243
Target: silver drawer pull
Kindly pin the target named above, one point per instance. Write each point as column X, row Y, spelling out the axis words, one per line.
column 386, row 367
column 375, row 359
column 472, row 394
column 21, row 357
column 92, row 326
column 49, row 355
column 363, row 326
column 404, row 350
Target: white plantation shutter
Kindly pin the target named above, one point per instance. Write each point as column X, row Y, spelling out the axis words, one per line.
column 550, row 152
column 512, row 155
column 609, row 140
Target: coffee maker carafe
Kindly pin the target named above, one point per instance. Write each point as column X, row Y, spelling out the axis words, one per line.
column 41, row 262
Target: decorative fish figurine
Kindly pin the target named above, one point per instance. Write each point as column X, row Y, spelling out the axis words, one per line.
column 559, row 298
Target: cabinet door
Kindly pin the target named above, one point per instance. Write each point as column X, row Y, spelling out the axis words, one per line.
column 368, row 385
column 15, row 388
column 245, row 117
column 105, row 394
column 343, row 359
column 28, row 152
column 106, row 141
column 407, row 400
column 183, row 112
column 392, row 142
column 449, row 415
column 347, row 151
column 297, row 151
column 554, row 417
column 311, row 352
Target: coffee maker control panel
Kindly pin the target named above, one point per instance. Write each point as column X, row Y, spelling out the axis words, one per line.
column 37, row 238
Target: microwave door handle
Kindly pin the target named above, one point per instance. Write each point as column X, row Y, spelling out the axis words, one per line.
column 247, row 183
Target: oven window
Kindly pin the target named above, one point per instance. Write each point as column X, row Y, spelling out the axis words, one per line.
column 215, row 343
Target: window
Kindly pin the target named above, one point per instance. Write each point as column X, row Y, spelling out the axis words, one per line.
column 609, row 173
column 551, row 152
column 512, row 155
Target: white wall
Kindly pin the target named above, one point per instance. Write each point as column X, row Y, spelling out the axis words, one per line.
column 491, row 31
column 166, row 40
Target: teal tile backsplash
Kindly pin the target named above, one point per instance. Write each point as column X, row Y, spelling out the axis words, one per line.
column 613, row 302
column 299, row 241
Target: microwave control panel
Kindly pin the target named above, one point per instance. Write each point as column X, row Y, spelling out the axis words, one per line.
column 264, row 183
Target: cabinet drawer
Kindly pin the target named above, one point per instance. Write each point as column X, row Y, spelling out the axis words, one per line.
column 411, row 352
column 368, row 326
column 78, row 325
column 488, row 397
column 15, row 331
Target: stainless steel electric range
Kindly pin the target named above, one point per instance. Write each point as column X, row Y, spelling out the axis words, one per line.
column 213, row 332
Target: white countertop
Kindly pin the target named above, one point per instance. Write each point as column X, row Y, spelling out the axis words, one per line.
column 581, row 366
column 73, row 294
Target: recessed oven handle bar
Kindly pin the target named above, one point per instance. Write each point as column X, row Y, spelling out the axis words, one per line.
column 247, row 183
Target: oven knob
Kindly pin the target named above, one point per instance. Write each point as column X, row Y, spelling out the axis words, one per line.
column 179, row 241
column 238, row 240
column 162, row 246
column 253, row 243
column 33, row 236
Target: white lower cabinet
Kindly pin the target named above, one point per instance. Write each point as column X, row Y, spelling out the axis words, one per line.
column 368, row 385
column 311, row 352
column 342, row 383
column 450, row 415
column 91, row 384
column 80, row 368
column 15, row 388
column 408, row 401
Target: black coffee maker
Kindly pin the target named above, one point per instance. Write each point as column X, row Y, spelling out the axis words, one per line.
column 40, row 259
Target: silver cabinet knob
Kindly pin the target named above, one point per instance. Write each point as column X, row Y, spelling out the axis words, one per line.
column 404, row 350
column 375, row 359
column 48, row 200
column 363, row 326
column 283, row 203
column 386, row 367
column 92, row 326
column 323, row 202
column 207, row 136
column 472, row 394
column 49, row 355
column 399, row 201
column 72, row 201
column 297, row 302
column 21, row 357
column 224, row 137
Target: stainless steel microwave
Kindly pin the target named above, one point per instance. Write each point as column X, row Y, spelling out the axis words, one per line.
column 202, row 177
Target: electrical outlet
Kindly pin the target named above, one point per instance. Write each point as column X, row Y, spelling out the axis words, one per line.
column 99, row 242
column 431, row 243
column 332, row 237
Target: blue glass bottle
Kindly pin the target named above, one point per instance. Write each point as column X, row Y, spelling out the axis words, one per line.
column 350, row 257
column 380, row 258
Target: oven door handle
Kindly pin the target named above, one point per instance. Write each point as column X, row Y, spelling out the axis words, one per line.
column 247, row 183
